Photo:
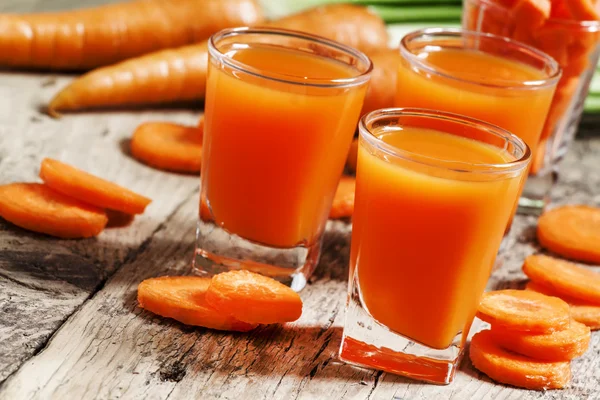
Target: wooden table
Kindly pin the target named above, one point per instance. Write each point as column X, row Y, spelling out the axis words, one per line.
column 70, row 327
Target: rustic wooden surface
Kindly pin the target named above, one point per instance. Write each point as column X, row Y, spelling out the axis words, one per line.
column 69, row 323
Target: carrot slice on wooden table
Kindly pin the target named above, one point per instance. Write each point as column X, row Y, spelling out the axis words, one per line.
column 514, row 369
column 343, row 202
column 253, row 298
column 103, row 35
column 168, row 146
column 522, row 310
column 38, row 208
column 564, row 277
column 572, row 232
column 562, row 345
column 183, row 298
column 586, row 313
column 86, row 187
column 352, row 156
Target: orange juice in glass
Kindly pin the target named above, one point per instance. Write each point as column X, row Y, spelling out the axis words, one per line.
column 484, row 76
column 434, row 193
column 280, row 112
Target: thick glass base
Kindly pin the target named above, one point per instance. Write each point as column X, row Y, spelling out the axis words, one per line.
column 218, row 250
column 367, row 343
column 536, row 193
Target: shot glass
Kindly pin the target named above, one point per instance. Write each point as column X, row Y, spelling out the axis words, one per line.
column 280, row 112
column 575, row 45
column 484, row 76
column 434, row 193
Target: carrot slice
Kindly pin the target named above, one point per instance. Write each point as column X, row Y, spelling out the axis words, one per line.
column 343, row 202
column 91, row 189
column 564, row 277
column 352, row 156
column 572, row 232
column 38, row 208
column 562, row 345
column 514, row 369
column 587, row 314
column 168, row 146
column 183, row 298
column 522, row 310
column 253, row 298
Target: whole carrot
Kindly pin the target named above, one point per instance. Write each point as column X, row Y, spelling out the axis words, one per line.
column 92, row 37
column 180, row 74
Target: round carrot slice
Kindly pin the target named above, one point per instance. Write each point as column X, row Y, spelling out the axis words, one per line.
column 514, row 369
column 253, row 298
column 587, row 314
column 563, row 277
column 572, row 232
column 523, row 310
column 38, row 208
column 168, row 146
column 183, row 298
column 343, row 202
column 91, row 189
column 562, row 345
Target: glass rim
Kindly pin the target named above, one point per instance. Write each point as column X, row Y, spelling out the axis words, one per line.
column 361, row 77
column 456, row 166
column 575, row 23
column 459, row 32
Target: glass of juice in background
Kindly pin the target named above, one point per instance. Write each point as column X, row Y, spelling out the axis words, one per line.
column 434, row 193
column 281, row 109
column 575, row 45
column 484, row 76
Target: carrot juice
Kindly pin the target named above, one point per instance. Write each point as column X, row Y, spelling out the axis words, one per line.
column 279, row 121
column 434, row 192
column 483, row 76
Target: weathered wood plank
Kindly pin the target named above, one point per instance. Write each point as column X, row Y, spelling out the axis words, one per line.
column 44, row 280
column 112, row 349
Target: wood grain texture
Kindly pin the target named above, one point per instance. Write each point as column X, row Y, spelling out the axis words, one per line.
column 44, row 280
column 111, row 349
column 70, row 327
